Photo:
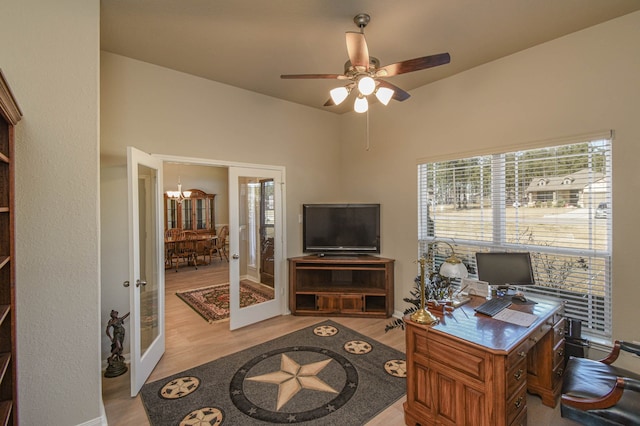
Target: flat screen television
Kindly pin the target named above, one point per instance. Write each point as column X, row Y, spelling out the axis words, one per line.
column 341, row 229
column 504, row 269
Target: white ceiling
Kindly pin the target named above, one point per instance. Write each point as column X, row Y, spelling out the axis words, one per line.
column 250, row 43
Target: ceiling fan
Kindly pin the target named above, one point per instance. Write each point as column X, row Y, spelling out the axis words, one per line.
column 364, row 72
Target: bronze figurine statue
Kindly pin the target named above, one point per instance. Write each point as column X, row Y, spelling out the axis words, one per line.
column 116, row 360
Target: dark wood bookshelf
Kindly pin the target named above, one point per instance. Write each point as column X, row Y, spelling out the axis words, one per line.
column 10, row 115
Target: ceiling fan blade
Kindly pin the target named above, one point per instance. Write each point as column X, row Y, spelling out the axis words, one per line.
column 413, row 65
column 300, row 76
column 357, row 50
column 398, row 94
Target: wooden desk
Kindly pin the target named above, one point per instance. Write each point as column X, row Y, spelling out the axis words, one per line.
column 471, row 369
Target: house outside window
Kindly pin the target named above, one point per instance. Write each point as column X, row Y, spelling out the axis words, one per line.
column 546, row 201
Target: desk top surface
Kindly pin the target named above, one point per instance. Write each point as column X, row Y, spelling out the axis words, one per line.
column 489, row 333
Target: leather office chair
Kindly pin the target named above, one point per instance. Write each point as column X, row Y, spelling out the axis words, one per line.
column 598, row 393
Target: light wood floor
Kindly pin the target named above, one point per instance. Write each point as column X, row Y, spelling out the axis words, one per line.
column 191, row 341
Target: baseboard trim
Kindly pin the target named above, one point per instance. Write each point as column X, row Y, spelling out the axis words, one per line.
column 98, row 421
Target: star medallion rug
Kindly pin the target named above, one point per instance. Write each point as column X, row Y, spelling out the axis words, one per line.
column 325, row 374
column 212, row 303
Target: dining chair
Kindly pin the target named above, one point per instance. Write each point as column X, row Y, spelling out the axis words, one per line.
column 189, row 247
column 221, row 242
column 209, row 247
column 172, row 239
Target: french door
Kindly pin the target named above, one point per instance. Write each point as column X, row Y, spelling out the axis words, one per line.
column 146, row 265
column 251, row 202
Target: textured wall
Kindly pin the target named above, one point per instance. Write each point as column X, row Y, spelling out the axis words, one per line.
column 50, row 56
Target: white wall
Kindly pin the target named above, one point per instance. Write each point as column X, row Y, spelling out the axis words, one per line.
column 585, row 82
column 50, row 55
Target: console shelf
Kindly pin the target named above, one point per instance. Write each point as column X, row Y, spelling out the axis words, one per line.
column 345, row 286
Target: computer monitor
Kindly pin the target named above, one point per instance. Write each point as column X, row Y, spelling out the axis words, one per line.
column 504, row 269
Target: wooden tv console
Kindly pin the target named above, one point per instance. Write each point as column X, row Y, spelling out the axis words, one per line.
column 345, row 286
column 475, row 370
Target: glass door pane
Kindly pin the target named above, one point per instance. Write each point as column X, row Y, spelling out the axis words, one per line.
column 201, row 213
column 148, row 260
column 211, row 214
column 267, row 231
column 186, row 214
column 172, row 213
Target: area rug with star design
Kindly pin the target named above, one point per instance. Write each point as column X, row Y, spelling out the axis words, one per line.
column 325, row 374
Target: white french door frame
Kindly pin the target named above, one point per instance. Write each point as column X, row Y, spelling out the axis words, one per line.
column 149, row 242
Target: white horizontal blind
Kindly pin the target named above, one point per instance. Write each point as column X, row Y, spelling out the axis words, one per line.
column 544, row 201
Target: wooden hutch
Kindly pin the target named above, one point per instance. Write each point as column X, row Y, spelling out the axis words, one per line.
column 195, row 213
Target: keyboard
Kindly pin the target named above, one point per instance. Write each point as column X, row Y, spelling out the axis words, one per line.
column 492, row 306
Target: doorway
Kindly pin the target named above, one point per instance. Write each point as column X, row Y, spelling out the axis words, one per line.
column 255, row 204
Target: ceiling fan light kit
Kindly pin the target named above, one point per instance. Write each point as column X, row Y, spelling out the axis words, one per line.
column 365, row 73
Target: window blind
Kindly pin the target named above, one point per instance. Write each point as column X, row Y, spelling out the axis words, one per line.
column 554, row 202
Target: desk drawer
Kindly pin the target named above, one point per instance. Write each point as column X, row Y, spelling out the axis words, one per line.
column 558, row 353
column 521, row 420
column 516, row 404
column 558, row 373
column 558, row 316
column 466, row 360
column 516, row 376
column 558, row 331
column 519, row 353
column 541, row 331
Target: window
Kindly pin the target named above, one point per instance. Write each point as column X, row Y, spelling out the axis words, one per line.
column 547, row 201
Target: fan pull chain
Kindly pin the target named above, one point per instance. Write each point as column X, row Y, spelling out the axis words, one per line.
column 367, row 145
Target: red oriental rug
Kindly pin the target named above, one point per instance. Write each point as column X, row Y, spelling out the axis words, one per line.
column 212, row 302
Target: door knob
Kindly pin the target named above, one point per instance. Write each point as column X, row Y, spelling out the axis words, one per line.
column 139, row 283
column 126, row 283
column 235, row 257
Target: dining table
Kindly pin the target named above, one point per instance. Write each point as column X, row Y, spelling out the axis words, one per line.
column 189, row 247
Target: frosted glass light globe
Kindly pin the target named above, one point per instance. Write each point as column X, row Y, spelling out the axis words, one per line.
column 361, row 105
column 339, row 94
column 366, row 85
column 384, row 95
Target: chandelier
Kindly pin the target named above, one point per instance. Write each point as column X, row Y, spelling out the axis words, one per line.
column 178, row 195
